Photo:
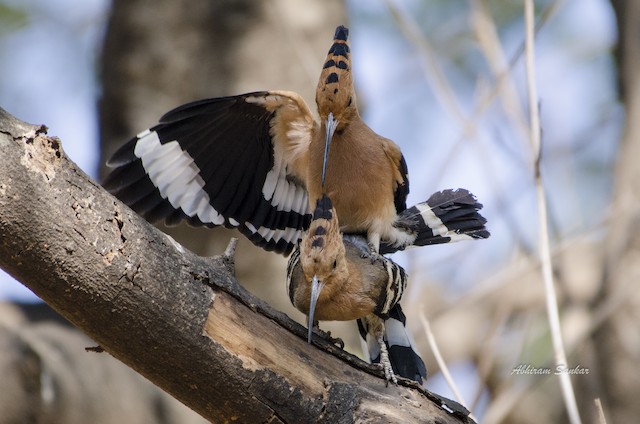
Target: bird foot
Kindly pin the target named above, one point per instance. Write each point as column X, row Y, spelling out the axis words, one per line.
column 389, row 375
column 367, row 250
column 326, row 335
column 359, row 242
column 373, row 254
column 385, row 363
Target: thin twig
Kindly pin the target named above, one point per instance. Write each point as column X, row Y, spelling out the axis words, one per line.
column 230, row 251
column 601, row 417
column 511, row 394
column 441, row 364
column 544, row 244
column 487, row 352
column 486, row 33
column 493, row 91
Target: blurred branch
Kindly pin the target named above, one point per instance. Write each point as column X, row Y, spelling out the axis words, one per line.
column 179, row 319
column 495, row 57
column 544, row 243
column 601, row 417
column 486, row 33
column 487, row 356
column 432, row 71
column 616, row 341
column 501, row 87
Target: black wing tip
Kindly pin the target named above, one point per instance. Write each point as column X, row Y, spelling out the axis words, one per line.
column 482, row 233
column 124, row 155
column 280, row 246
column 460, row 196
column 402, row 191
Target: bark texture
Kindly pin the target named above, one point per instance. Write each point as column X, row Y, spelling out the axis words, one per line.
column 179, row 319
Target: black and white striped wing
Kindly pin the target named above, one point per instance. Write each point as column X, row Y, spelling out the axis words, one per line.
column 235, row 161
column 396, row 284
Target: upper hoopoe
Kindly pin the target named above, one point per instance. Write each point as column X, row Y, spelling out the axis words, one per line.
column 366, row 175
column 330, row 276
column 255, row 162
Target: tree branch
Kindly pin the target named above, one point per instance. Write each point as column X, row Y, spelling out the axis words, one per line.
column 179, row 319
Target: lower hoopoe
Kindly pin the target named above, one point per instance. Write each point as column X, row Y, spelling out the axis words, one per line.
column 337, row 277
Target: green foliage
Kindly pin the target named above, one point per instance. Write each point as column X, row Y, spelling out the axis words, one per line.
column 11, row 18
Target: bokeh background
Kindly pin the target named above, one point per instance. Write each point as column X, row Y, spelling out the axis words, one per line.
column 445, row 79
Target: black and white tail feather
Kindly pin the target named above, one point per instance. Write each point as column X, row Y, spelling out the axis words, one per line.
column 404, row 358
column 447, row 216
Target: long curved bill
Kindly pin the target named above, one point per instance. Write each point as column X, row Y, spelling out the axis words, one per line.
column 332, row 124
column 316, row 288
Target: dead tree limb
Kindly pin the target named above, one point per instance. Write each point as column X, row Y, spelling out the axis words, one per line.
column 179, row 319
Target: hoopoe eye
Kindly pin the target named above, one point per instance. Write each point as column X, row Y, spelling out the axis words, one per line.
column 335, row 263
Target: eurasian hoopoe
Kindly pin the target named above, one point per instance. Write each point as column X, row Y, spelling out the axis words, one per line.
column 331, row 275
column 364, row 174
column 331, row 278
column 256, row 162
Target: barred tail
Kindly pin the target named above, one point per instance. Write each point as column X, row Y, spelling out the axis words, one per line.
column 335, row 87
column 405, row 361
column 448, row 216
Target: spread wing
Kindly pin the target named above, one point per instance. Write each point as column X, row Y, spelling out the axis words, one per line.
column 236, row 161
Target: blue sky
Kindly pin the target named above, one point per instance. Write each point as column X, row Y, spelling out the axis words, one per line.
column 51, row 60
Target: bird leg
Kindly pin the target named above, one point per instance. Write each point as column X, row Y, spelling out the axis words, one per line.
column 365, row 248
column 385, row 362
column 374, row 241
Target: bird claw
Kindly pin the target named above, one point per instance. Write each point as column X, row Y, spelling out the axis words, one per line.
column 368, row 251
column 385, row 365
column 326, row 335
column 333, row 340
column 373, row 254
column 361, row 244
